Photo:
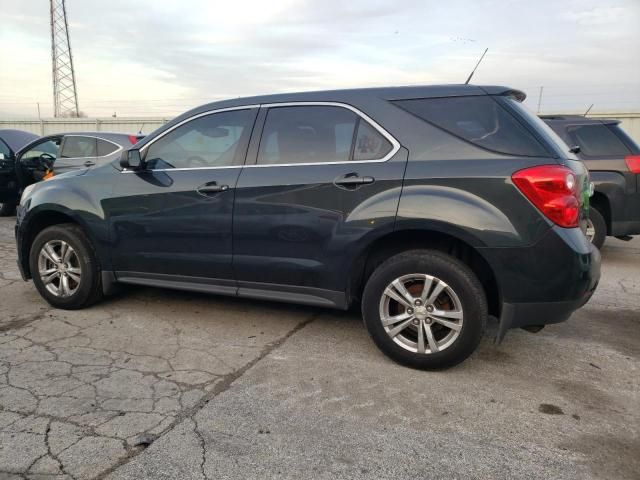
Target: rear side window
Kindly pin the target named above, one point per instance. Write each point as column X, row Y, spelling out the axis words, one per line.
column 106, row 148
column 318, row 134
column 479, row 120
column 78, row 147
column 597, row 141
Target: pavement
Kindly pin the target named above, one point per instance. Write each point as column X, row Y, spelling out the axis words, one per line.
column 161, row 384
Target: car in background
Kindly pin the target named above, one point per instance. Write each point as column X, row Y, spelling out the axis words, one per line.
column 44, row 157
column 613, row 159
column 11, row 141
column 430, row 207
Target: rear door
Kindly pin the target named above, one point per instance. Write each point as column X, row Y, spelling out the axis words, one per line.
column 321, row 179
column 77, row 151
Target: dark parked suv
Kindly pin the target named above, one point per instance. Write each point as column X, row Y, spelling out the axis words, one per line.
column 613, row 159
column 430, row 207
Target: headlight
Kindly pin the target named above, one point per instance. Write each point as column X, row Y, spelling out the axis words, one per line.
column 26, row 192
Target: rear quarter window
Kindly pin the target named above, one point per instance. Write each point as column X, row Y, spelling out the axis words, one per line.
column 479, row 120
column 105, row 147
column 597, row 141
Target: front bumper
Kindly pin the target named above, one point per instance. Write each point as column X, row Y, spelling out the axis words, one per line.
column 23, row 261
column 546, row 282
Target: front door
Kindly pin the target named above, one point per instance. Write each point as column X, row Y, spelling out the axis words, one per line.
column 172, row 220
column 324, row 180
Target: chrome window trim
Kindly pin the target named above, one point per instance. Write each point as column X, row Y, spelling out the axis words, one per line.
column 97, row 138
column 199, row 115
column 395, row 145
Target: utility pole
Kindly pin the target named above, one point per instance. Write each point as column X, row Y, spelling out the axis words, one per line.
column 65, row 95
column 540, row 98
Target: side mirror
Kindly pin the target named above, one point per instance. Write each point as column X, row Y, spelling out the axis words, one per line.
column 131, row 159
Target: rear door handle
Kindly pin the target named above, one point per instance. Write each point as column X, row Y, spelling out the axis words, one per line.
column 213, row 187
column 353, row 180
column 89, row 163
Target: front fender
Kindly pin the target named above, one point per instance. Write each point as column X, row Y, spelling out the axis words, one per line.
column 61, row 201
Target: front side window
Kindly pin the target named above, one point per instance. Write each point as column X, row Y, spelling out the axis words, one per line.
column 76, row 146
column 46, row 150
column 209, row 141
column 318, row 134
column 479, row 120
column 597, row 141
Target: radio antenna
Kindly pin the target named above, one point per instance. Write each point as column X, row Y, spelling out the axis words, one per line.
column 588, row 110
column 474, row 69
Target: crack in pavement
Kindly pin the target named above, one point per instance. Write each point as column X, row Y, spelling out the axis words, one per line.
column 222, row 386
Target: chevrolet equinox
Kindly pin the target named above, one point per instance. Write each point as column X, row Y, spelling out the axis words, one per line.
column 429, row 207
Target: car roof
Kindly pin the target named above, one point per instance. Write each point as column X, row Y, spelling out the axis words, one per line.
column 349, row 96
column 16, row 139
column 578, row 120
column 387, row 93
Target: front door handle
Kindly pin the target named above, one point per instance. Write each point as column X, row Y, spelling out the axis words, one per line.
column 89, row 163
column 213, row 187
column 353, row 180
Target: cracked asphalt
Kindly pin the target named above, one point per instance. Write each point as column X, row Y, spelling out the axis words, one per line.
column 168, row 385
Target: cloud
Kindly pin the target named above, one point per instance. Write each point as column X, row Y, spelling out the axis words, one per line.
column 162, row 57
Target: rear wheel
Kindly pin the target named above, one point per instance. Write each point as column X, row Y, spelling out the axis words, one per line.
column 7, row 209
column 64, row 267
column 425, row 309
column 596, row 228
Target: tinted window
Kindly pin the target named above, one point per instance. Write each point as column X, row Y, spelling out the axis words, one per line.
column 106, row 148
column 370, row 144
column 597, row 141
column 479, row 120
column 4, row 150
column 78, row 147
column 307, row 134
column 210, row 141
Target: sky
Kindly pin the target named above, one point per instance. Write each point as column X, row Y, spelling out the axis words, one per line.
column 160, row 58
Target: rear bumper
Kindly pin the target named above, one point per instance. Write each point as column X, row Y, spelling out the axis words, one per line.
column 546, row 282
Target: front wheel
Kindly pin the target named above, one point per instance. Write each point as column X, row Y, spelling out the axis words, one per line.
column 64, row 267
column 425, row 309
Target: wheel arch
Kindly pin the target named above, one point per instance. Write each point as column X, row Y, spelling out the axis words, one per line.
column 422, row 238
column 601, row 203
column 44, row 217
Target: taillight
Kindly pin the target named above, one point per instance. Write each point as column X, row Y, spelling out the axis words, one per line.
column 633, row 162
column 553, row 190
column 133, row 139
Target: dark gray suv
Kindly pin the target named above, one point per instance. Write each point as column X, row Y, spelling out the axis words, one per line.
column 613, row 159
column 430, row 207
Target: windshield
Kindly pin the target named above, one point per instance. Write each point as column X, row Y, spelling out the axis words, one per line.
column 542, row 128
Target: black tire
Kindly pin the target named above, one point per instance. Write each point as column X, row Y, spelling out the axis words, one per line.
column 599, row 226
column 451, row 271
column 7, row 209
column 89, row 289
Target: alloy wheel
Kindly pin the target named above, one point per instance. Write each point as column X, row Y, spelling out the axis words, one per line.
column 59, row 268
column 421, row 313
column 590, row 231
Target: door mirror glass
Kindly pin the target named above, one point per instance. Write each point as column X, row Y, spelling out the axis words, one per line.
column 131, row 159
